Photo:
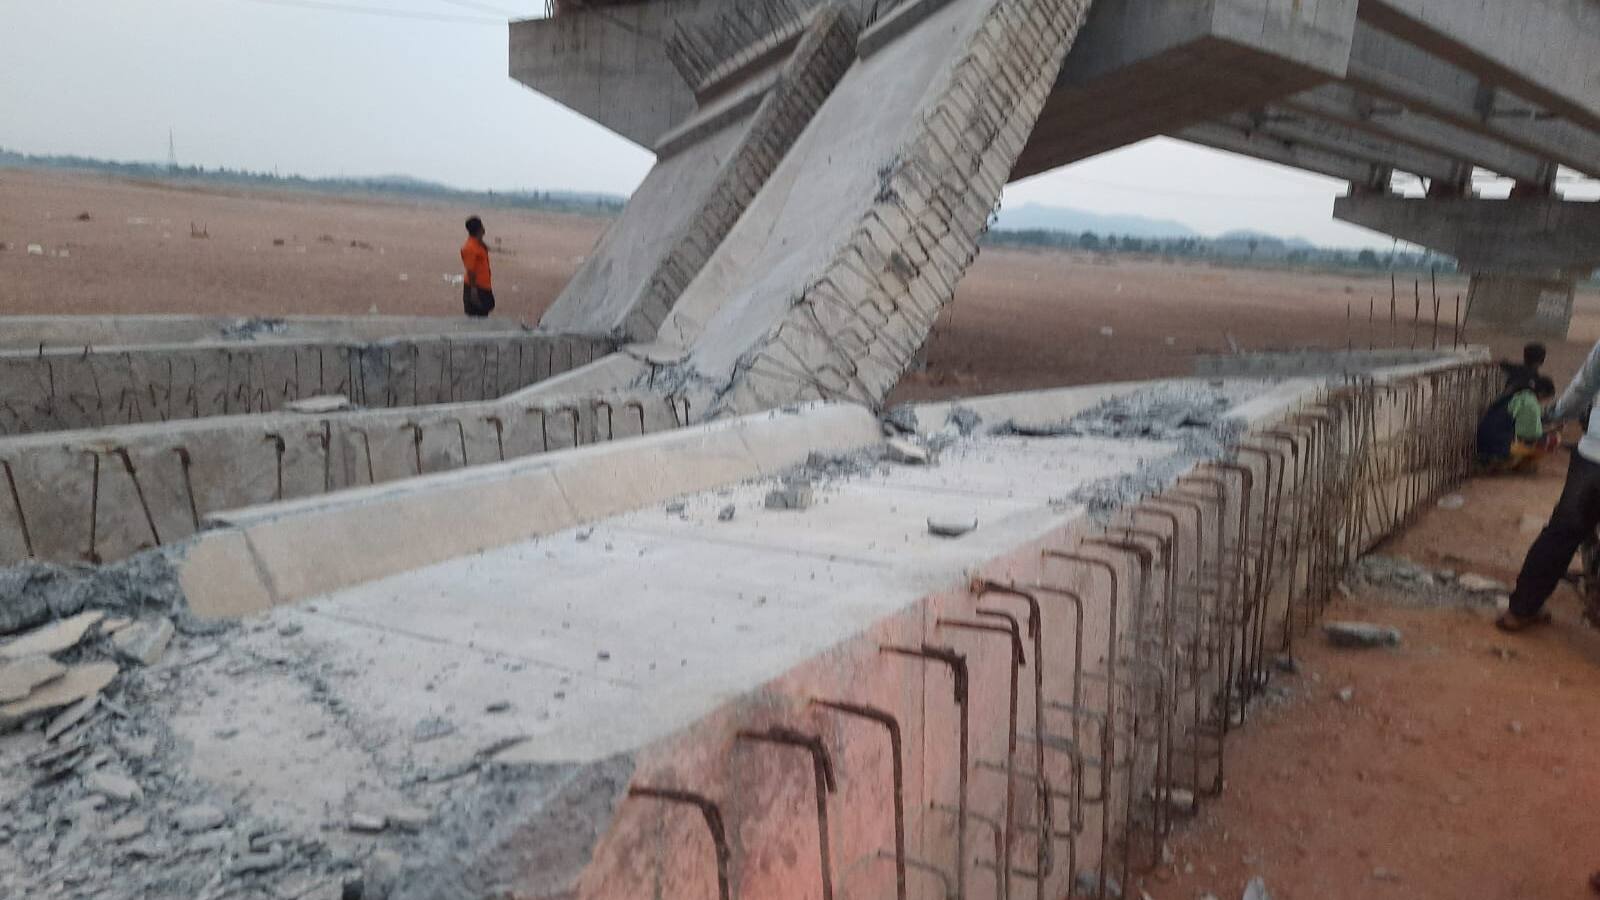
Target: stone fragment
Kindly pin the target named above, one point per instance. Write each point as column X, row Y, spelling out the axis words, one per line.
column 318, row 405
column 126, row 829
column 248, row 863
column 144, row 642
column 951, row 528
column 112, row 626
column 1479, row 584
column 432, row 729
column 1346, row 694
column 289, row 629
column 72, row 716
column 1382, row 874
column 499, row 706
column 52, row 638
column 1514, row 727
column 1452, row 501
column 381, row 875
column 198, row 818
column 1256, row 890
column 145, row 848
column 726, row 513
column 78, row 682
column 409, row 818
column 19, row 677
column 115, row 785
column 795, row 495
column 1360, row 634
column 368, row 823
column 905, row 452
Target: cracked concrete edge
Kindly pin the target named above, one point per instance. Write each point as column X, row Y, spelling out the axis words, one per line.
column 252, row 559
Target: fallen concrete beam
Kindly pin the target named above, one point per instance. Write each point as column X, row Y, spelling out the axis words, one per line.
column 62, row 389
column 710, row 168
column 1547, row 51
column 78, row 332
column 609, row 691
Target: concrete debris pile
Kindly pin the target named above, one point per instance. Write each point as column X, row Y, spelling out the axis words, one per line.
column 1408, row 583
column 1191, row 415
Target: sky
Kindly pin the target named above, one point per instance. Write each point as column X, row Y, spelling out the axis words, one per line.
column 419, row 88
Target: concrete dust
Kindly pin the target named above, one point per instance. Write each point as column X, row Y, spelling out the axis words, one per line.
column 32, row 593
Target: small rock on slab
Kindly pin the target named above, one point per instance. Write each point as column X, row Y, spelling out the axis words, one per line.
column 795, row 496
column 1360, row 634
column 114, row 785
column 1256, row 890
column 368, row 823
column 726, row 513
column 323, row 403
column 951, row 528
column 19, row 677
column 432, row 729
column 1478, row 584
column 52, row 638
column 144, row 642
column 905, row 452
column 79, row 682
column 259, row 862
column 126, row 829
column 409, row 818
column 198, row 818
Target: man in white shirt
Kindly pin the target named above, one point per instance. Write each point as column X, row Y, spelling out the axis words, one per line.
column 1576, row 515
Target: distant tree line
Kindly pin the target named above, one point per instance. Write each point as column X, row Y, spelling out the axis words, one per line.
column 1252, row 249
column 400, row 186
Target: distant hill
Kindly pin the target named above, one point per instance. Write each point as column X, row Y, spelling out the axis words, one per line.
column 1036, row 217
column 1245, row 236
column 585, row 202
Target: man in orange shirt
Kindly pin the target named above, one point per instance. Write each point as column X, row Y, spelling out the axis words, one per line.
column 477, row 290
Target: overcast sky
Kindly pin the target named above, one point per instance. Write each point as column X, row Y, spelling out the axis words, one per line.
column 304, row 86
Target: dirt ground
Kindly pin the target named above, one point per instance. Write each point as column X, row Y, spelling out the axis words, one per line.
column 1417, row 788
column 1464, row 766
column 1021, row 319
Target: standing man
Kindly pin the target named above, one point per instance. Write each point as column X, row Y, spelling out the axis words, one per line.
column 477, row 290
column 1576, row 515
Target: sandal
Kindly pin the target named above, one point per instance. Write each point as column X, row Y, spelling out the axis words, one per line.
column 1511, row 622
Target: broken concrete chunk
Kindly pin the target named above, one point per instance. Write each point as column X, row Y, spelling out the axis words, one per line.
column 259, row 862
column 72, row 716
column 126, row 829
column 951, row 528
column 115, row 785
column 368, row 823
column 20, row 677
column 144, row 642
column 52, row 638
column 409, row 818
column 322, row 403
column 796, row 495
column 432, row 729
column 726, row 513
column 905, row 452
column 198, row 818
column 1361, row 634
column 1478, row 584
column 78, row 682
